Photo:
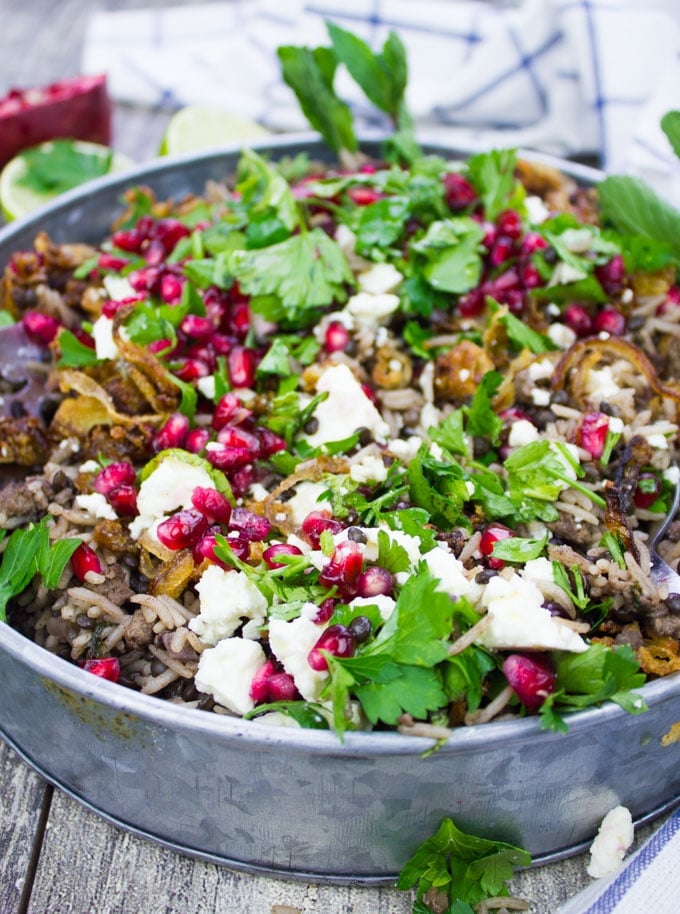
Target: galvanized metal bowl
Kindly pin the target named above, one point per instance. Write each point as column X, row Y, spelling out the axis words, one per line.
column 299, row 803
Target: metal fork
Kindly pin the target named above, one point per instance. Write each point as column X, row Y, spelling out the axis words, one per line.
column 660, row 571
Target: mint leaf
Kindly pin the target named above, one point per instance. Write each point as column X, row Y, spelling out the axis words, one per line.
column 310, row 73
column 633, row 208
column 492, row 174
column 519, row 549
column 265, row 192
column 51, row 567
column 670, row 124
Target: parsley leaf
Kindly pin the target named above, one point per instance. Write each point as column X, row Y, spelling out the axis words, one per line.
column 633, row 208
column 465, row 867
column 75, row 354
column 61, row 165
column 519, row 549
column 524, row 337
column 451, row 249
column 482, row 420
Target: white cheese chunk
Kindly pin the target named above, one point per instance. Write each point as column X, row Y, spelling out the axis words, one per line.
column 450, row 572
column 541, row 370
column 379, row 279
column 561, row 335
column 405, row 448
column 540, row 397
column 369, row 309
column 291, row 643
column 613, row 839
column 305, row 500
column 346, row 409
column 522, row 432
column 537, row 211
column 96, row 505
column 226, row 599
column 600, row 384
column 207, row 386
column 369, row 469
column 384, row 603
column 102, row 334
column 519, row 621
column 226, row 672
column 169, row 488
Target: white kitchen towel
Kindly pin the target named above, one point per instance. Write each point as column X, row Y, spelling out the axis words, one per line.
column 563, row 76
column 648, row 883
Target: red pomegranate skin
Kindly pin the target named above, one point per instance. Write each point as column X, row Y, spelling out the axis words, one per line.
column 79, row 108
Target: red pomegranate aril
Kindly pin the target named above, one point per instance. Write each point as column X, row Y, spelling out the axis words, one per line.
column 212, row 503
column 529, row 275
column 222, row 344
column 374, row 582
column 577, row 318
column 41, row 328
column 270, row 443
column 123, row 500
column 336, row 337
column 111, row 262
column 610, row 321
column 490, row 234
column 253, row 527
column 197, row 327
column 337, row 640
column 226, row 409
column 172, row 433
column 325, row 611
column 85, row 560
column 271, row 684
column 458, row 191
column 533, row 242
column 233, row 436
column 239, row 319
column 493, row 534
column 104, row 667
column 258, row 685
column 516, row 301
column 169, row 232
column 191, row 369
column 204, row 353
column 513, row 414
column 130, row 240
column 171, row 288
column 196, row 440
column 363, row 196
column 146, row 279
column 503, row 250
column 316, row 523
column 648, row 490
column 204, row 550
column 671, row 302
column 239, row 545
column 531, row 677
column 344, row 567
column 510, row 224
column 472, row 303
column 182, row 530
column 591, row 434
column 154, row 254
column 272, row 553
column 242, row 479
column 160, row 346
column 114, row 475
column 611, row 274
column 227, row 458
column 241, row 363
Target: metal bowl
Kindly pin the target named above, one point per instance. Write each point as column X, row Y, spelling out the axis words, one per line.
column 300, row 803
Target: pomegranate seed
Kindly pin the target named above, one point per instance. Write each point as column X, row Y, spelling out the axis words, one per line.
column 204, row 550
column 221, row 343
column 325, row 611
column 196, row 440
column 105, row 667
column 146, row 279
column 270, row 684
column 83, row 337
column 492, row 535
column 577, row 319
column 472, row 304
column 591, row 435
column 228, row 407
column 610, row 275
column 114, row 475
column 610, row 321
column 513, row 414
column 123, row 500
column 252, row 526
column 344, row 567
column 203, row 353
column 171, row 288
column 510, row 224
column 41, row 328
column 647, row 491
column 239, row 319
column 241, row 363
column 338, row 640
column 130, row 240
column 182, row 530
column 111, row 262
column 84, row 560
column 314, row 525
column 258, row 686
column 363, row 196
column 169, row 232
column 531, row 678
column 227, row 458
column 270, row 443
column 172, row 433
column 529, row 275
column 154, row 254
column 212, row 503
column 515, row 300
column 533, row 242
column 239, row 545
column 502, row 250
column 197, row 327
column 191, row 369
column 232, row 436
column 490, row 235
column 158, row 346
column 458, row 191
column 271, row 554
column 336, row 337
column 375, row 581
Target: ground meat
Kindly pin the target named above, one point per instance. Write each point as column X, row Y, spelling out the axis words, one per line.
column 115, row 587
column 567, row 528
column 24, row 502
column 139, row 632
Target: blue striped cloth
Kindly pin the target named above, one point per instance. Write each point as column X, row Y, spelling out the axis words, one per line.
column 563, row 76
column 648, row 883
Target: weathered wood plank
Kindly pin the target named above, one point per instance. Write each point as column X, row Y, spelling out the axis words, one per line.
column 20, row 801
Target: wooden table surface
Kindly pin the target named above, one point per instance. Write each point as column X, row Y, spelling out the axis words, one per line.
column 56, row 857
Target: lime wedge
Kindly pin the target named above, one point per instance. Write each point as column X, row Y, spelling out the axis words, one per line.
column 195, row 128
column 39, row 174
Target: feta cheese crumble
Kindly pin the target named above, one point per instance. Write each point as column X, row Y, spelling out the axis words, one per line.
column 291, row 643
column 346, row 409
column 613, row 839
column 449, row 570
column 226, row 672
column 226, row 599
column 169, row 488
column 96, row 505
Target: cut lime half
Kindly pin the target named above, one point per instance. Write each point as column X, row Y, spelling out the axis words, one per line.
column 195, row 128
column 28, row 182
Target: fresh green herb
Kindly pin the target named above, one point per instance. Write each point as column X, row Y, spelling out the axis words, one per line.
column 416, row 336
column 304, row 713
column 524, row 337
column 465, row 675
column 592, row 677
column 459, row 869
column 61, row 165
column 415, row 522
column 614, row 547
column 482, row 420
column 6, row 319
column 519, row 549
column 576, row 591
column 440, row 487
column 29, row 552
column 74, row 354
column 450, row 433
column 633, row 208
column 451, row 254
column 670, row 124
column 276, row 361
column 493, row 176
column 381, row 224
column 265, row 196
column 391, row 556
column 610, row 443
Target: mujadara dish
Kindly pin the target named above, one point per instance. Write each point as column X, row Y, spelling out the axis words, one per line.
column 366, row 448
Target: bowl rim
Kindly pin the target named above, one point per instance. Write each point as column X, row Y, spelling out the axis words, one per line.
column 157, row 711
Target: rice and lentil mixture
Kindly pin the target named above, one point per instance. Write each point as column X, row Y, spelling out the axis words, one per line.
column 363, row 449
